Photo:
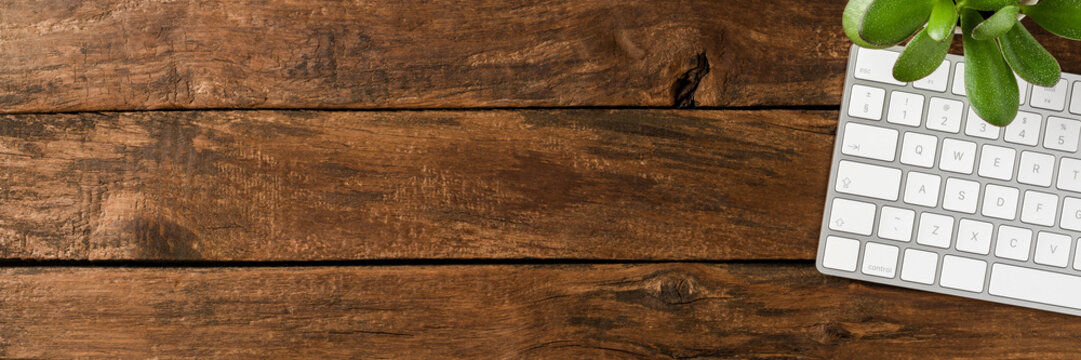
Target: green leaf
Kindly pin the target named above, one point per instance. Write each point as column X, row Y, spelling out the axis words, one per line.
column 889, row 22
column 990, row 84
column 996, row 25
column 1028, row 58
column 942, row 21
column 851, row 20
column 921, row 57
column 1060, row 17
column 988, row 5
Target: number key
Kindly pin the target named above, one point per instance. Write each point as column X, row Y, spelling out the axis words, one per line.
column 905, row 108
column 944, row 115
column 1075, row 100
column 1025, row 129
column 1062, row 134
column 980, row 128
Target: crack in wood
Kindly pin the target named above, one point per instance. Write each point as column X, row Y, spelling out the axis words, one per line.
column 687, row 83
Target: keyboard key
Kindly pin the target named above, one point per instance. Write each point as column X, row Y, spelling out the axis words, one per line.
column 1052, row 249
column 866, row 102
column 1040, row 286
column 919, row 149
column 1050, row 98
column 905, row 109
column 944, row 115
column 935, row 230
column 962, row 273
column 1039, row 208
column 868, row 180
column 852, row 216
column 880, row 260
column 922, row 189
column 961, row 195
column 1013, row 242
column 1062, row 134
column 937, row 81
column 1075, row 102
column 1071, row 214
column 974, row 236
column 896, row 224
column 976, row 126
column 919, row 266
column 959, row 84
column 1069, row 174
column 1000, row 202
column 959, row 79
column 1022, row 88
column 876, row 65
column 957, row 156
column 869, row 141
column 841, row 253
column 1036, row 168
column 1077, row 257
column 997, row 162
column 1025, row 129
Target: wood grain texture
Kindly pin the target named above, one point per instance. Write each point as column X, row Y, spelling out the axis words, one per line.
column 580, row 311
column 130, row 55
column 123, row 55
column 273, row 185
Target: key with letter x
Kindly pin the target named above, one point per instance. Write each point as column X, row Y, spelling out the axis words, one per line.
column 974, row 236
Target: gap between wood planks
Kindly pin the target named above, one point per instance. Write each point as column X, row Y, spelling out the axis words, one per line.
column 30, row 263
column 812, row 107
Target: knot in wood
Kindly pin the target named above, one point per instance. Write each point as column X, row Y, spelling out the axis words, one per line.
column 675, row 288
column 831, row 333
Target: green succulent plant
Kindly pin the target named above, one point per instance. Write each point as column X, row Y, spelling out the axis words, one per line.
column 995, row 46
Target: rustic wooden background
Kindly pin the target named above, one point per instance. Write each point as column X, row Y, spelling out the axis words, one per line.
column 433, row 179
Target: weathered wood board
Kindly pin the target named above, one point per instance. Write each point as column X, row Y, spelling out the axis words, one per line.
column 320, row 54
column 285, row 185
column 566, row 311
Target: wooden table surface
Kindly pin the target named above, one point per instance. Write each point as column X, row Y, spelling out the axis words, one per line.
column 443, row 179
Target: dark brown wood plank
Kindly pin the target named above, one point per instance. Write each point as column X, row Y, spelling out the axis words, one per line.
column 122, row 55
column 273, row 185
column 580, row 311
column 127, row 55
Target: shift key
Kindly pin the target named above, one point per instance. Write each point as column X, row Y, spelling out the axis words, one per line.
column 872, row 181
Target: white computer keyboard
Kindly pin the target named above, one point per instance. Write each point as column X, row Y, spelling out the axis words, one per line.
column 925, row 195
